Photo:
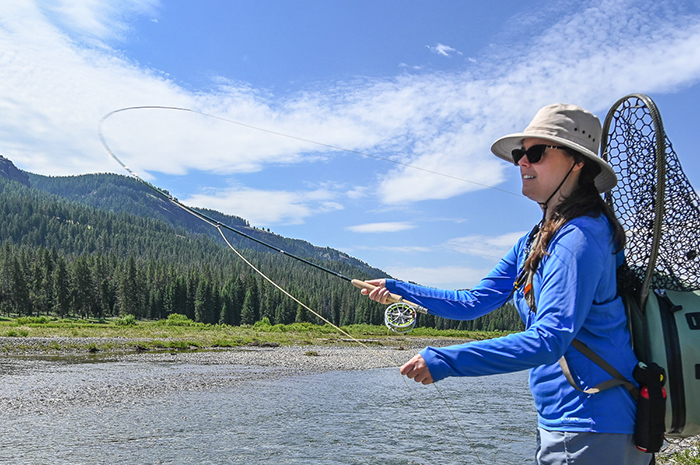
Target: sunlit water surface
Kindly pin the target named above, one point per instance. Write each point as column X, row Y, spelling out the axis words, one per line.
column 347, row 417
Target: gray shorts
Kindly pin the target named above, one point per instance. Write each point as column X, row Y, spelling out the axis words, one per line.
column 562, row 448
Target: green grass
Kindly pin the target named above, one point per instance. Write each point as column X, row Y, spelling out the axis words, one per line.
column 179, row 332
column 685, row 457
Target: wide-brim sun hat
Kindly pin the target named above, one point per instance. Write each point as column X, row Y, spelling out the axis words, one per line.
column 567, row 125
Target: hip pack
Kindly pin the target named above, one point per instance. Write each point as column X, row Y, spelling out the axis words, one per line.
column 668, row 333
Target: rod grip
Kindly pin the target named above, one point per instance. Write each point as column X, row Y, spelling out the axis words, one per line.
column 393, row 298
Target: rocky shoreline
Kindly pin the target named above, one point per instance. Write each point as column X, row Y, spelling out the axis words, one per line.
column 686, row 446
column 113, row 345
column 207, row 369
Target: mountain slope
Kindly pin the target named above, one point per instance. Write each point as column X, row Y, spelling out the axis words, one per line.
column 121, row 194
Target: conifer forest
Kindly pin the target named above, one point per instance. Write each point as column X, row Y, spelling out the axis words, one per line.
column 104, row 245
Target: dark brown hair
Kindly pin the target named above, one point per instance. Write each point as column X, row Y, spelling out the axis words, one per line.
column 583, row 201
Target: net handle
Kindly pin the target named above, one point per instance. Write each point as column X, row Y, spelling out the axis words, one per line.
column 660, row 164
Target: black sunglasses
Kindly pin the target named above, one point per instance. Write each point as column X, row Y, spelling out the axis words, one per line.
column 533, row 154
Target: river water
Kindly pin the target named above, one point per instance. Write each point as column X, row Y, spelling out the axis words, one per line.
column 142, row 411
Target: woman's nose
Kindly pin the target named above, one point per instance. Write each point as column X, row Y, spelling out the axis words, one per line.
column 524, row 161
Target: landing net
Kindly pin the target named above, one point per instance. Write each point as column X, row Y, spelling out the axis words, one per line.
column 654, row 201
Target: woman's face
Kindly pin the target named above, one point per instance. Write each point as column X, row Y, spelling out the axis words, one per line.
column 541, row 179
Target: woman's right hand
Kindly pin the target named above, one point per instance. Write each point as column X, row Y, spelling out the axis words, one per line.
column 379, row 293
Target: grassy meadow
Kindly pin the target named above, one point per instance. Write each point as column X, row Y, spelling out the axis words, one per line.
column 179, row 332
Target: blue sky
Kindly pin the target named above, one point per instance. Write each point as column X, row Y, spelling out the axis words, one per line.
column 396, row 83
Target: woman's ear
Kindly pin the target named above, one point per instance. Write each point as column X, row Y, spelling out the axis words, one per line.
column 579, row 162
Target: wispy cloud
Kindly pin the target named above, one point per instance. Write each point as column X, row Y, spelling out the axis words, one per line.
column 405, row 249
column 265, row 207
column 490, row 247
column 439, row 276
column 98, row 21
column 382, row 227
column 56, row 83
column 444, row 50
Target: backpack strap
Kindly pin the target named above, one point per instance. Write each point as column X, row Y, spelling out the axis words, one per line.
column 617, row 378
column 526, row 277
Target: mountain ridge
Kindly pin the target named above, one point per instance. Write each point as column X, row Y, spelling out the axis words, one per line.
column 123, row 194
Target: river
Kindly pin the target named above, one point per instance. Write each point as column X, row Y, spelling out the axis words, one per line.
column 141, row 410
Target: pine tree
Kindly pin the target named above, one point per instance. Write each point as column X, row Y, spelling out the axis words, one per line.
column 191, row 293
column 5, row 274
column 19, row 291
column 335, row 309
column 285, row 312
column 268, row 306
column 61, row 292
column 250, row 312
column 82, row 288
column 230, row 315
column 204, row 303
column 301, row 315
column 42, row 287
column 129, row 292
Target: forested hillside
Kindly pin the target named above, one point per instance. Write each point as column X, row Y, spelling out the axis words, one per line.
column 96, row 246
column 121, row 194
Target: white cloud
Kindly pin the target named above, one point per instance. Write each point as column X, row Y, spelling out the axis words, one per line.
column 446, row 167
column 382, row 227
column 444, row 50
column 98, row 20
column 403, row 249
column 264, row 208
column 52, row 93
column 465, row 112
column 489, row 247
column 456, row 277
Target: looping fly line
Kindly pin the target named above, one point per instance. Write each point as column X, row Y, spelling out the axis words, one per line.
column 297, row 138
column 408, row 320
column 399, row 317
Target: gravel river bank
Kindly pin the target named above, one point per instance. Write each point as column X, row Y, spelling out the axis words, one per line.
column 238, row 365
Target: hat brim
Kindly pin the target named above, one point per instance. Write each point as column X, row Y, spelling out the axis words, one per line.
column 503, row 148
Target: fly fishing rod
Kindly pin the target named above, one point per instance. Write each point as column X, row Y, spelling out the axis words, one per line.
column 399, row 317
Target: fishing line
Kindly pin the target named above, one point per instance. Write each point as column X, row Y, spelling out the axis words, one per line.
column 300, row 139
column 220, row 227
column 390, row 362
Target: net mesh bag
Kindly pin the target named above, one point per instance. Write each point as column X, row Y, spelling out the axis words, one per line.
column 654, row 201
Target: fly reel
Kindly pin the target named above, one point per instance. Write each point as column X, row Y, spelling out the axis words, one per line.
column 400, row 317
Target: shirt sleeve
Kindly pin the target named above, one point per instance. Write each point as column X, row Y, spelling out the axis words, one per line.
column 565, row 286
column 491, row 293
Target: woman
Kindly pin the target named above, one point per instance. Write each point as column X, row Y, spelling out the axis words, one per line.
column 562, row 278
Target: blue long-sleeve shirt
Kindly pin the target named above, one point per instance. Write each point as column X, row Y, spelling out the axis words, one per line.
column 576, row 297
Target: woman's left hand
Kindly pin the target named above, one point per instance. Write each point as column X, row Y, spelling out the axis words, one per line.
column 417, row 370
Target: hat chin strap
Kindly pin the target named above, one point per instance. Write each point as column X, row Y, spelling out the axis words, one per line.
column 545, row 204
